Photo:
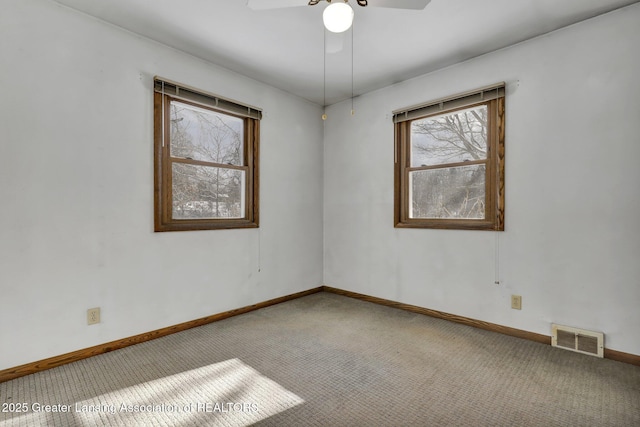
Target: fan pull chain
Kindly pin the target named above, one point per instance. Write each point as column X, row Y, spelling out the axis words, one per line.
column 324, row 74
column 352, row 110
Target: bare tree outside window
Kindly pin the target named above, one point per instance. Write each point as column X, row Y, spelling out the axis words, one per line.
column 201, row 191
column 449, row 191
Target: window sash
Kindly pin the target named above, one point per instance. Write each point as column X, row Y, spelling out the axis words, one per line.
column 226, row 119
column 214, row 201
column 446, row 165
column 204, row 163
column 430, row 191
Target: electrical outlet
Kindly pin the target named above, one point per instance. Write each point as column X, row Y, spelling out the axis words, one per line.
column 516, row 302
column 93, row 316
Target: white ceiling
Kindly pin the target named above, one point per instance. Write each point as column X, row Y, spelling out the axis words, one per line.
column 284, row 47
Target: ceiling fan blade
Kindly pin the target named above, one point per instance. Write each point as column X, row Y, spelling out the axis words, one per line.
column 400, row 4
column 274, row 4
column 281, row 4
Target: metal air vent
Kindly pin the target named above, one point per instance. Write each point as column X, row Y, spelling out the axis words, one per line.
column 578, row 340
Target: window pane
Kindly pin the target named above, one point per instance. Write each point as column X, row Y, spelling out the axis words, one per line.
column 200, row 134
column 457, row 192
column 450, row 138
column 207, row 192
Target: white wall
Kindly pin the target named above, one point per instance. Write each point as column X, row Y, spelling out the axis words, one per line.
column 76, row 185
column 571, row 246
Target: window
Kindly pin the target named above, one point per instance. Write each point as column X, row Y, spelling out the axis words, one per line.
column 206, row 160
column 449, row 162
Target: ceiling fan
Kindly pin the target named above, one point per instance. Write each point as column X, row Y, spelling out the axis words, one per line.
column 396, row 4
column 338, row 16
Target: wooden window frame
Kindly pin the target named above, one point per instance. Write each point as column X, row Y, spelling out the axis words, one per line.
column 163, row 206
column 494, row 174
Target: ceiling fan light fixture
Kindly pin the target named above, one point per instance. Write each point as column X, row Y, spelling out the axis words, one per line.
column 337, row 17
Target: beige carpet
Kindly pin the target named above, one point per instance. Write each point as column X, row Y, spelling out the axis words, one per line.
column 328, row 360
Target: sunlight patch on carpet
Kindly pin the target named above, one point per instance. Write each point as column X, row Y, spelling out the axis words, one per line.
column 228, row 393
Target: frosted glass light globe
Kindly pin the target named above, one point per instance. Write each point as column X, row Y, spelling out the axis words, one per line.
column 337, row 17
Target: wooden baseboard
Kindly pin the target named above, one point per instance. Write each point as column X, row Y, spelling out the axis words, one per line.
column 619, row 356
column 52, row 362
